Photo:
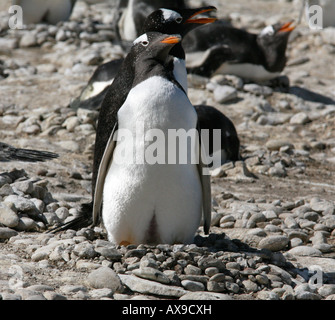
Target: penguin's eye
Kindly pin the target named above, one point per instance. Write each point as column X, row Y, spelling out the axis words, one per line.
column 144, row 43
column 179, row 19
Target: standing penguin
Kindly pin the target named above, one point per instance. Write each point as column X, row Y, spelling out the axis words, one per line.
column 159, row 202
column 165, row 21
column 228, row 50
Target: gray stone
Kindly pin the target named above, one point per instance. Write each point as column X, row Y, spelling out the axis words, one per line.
column 300, row 118
column 20, row 203
column 267, row 295
column 29, row 39
column 6, row 233
column 214, row 286
column 193, row 285
column 50, row 295
column 104, row 278
column 250, row 286
column 305, row 295
column 109, row 253
column 84, row 250
column 101, row 293
column 291, row 223
column 8, row 217
column 327, row 290
column 224, row 93
column 190, row 269
column 274, row 242
column 151, row 274
column 305, row 251
column 62, row 213
column 206, row 262
column 276, row 144
column 26, row 187
column 203, row 295
column 27, row 224
column 151, row 287
column 322, row 206
column 257, row 89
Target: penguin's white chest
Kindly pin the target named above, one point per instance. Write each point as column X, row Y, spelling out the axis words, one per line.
column 156, row 201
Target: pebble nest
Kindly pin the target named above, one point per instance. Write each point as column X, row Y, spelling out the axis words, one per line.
column 272, row 235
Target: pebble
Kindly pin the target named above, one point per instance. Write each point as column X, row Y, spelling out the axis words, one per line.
column 305, row 251
column 151, row 287
column 300, row 118
column 274, row 242
column 224, row 94
column 151, row 274
column 8, row 217
column 205, row 296
column 104, row 278
column 193, row 285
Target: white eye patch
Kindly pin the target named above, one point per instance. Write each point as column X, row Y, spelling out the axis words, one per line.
column 170, row 14
column 141, row 38
column 268, row 31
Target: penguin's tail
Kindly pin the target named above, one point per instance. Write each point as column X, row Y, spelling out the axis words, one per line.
column 83, row 220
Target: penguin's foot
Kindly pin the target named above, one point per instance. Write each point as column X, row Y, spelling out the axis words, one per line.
column 124, row 243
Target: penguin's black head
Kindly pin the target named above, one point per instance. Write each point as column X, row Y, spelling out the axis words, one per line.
column 176, row 21
column 273, row 41
column 154, row 45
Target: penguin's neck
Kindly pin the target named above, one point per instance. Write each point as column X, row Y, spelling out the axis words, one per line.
column 178, row 51
column 151, row 67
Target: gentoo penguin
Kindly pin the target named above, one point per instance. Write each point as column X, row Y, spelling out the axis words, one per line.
column 177, row 21
column 228, row 50
column 49, row 11
column 163, row 20
column 229, row 150
column 133, row 14
column 159, row 201
column 10, row 153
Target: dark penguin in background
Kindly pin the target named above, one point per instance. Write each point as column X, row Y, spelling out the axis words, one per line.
column 10, row 153
column 133, row 13
column 177, row 21
column 228, row 50
column 229, row 150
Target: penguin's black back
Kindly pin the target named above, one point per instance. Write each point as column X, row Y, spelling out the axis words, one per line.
column 106, row 71
column 115, row 97
column 210, row 118
column 242, row 44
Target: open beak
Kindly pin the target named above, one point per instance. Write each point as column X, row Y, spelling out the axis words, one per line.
column 192, row 18
column 287, row 27
column 172, row 39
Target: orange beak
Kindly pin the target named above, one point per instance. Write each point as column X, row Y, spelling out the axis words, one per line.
column 201, row 20
column 287, row 27
column 172, row 39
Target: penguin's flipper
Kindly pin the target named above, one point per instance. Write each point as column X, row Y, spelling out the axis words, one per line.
column 206, row 185
column 102, row 172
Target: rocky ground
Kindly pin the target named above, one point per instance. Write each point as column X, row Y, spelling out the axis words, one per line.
column 272, row 234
